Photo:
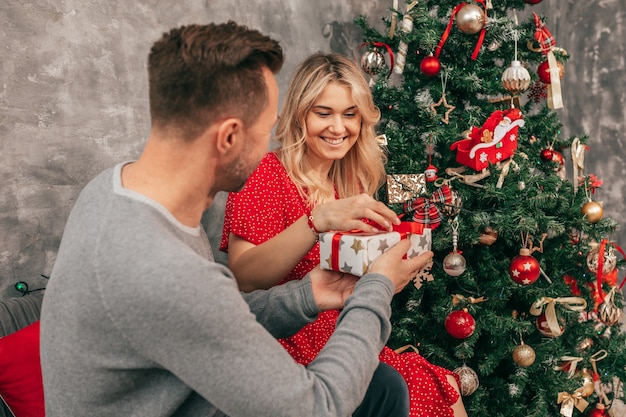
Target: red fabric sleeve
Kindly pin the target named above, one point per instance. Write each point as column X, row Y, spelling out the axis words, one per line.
column 267, row 205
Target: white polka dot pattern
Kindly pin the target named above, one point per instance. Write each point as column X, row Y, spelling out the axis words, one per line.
column 267, row 205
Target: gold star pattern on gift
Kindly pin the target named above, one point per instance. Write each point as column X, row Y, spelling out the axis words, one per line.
column 444, row 102
column 383, row 245
column 357, row 246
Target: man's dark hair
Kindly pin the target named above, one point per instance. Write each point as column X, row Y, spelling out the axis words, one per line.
column 201, row 73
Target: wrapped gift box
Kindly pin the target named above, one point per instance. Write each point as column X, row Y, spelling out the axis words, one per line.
column 354, row 252
column 403, row 187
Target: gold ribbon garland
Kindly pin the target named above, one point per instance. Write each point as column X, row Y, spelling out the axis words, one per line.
column 569, row 363
column 578, row 157
column 555, row 98
column 571, row 303
column 403, row 47
column 596, row 357
column 569, row 401
column 505, row 171
column 394, row 19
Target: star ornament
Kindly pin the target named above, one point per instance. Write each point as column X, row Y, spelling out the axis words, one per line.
column 443, row 102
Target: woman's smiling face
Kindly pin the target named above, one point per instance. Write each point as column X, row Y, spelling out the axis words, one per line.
column 333, row 125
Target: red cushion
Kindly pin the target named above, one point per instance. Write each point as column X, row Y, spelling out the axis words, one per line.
column 21, row 386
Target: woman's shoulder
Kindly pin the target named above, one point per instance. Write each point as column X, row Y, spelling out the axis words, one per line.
column 271, row 166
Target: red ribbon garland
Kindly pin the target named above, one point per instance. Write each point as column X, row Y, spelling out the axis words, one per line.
column 446, row 33
column 543, row 35
column 424, row 209
column 404, row 228
column 381, row 45
column 599, row 274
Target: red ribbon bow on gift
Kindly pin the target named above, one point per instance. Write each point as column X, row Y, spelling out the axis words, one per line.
column 424, row 210
column 404, row 228
column 543, row 35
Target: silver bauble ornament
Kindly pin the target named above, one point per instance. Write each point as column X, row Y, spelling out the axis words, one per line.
column 468, row 378
column 608, row 312
column 516, row 78
column 470, row 19
column 373, row 62
column 609, row 261
column 454, row 264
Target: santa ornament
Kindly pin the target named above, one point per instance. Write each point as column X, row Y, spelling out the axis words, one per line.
column 493, row 142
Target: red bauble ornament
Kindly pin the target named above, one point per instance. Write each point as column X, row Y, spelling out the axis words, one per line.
column 430, row 66
column 547, row 155
column 533, row 1
column 543, row 71
column 558, row 158
column 460, row 324
column 598, row 411
column 524, row 268
column 544, row 327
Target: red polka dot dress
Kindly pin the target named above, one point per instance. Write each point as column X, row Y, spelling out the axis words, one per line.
column 267, row 205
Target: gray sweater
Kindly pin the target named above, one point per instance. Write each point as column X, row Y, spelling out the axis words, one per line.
column 138, row 320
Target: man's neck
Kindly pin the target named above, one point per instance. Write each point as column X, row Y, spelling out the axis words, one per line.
column 176, row 178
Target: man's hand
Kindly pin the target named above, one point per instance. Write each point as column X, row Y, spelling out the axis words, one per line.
column 400, row 271
column 330, row 288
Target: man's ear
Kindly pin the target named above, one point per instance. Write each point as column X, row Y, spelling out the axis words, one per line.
column 230, row 135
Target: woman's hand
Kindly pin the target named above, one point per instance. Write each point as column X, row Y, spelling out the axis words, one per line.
column 349, row 214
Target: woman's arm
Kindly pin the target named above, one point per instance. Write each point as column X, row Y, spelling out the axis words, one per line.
column 265, row 265
column 262, row 266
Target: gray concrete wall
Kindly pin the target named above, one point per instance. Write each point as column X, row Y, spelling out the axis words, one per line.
column 73, row 95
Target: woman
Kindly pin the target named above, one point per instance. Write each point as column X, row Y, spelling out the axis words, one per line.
column 322, row 177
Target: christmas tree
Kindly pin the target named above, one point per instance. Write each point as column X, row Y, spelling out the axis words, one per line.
column 523, row 299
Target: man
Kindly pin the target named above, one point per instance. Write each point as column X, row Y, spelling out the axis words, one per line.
column 139, row 321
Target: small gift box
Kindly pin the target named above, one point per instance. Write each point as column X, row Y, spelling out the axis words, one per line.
column 402, row 187
column 354, row 252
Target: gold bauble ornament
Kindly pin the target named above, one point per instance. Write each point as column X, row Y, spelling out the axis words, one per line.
column 584, row 344
column 524, row 355
column 470, row 19
column 468, row 378
column 593, row 211
column 516, row 78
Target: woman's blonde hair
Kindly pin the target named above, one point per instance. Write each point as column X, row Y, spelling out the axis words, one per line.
column 362, row 170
